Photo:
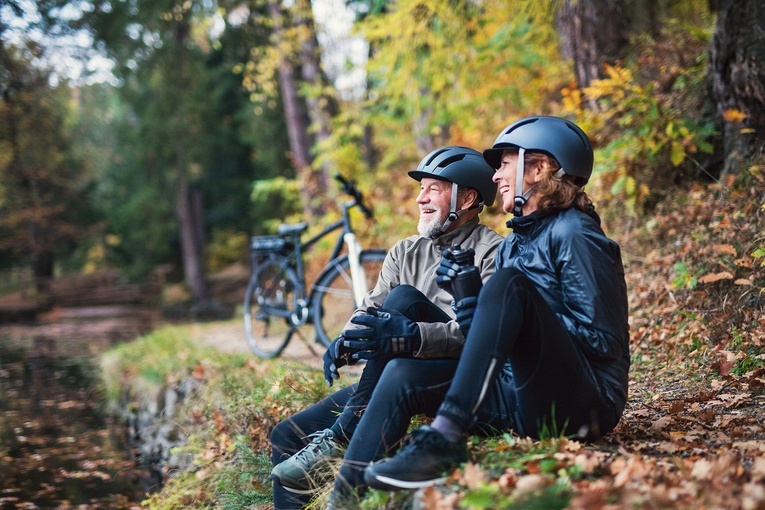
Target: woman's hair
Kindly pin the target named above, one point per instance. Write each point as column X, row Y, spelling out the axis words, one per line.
column 556, row 193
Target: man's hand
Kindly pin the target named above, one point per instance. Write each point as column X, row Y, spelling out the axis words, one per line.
column 465, row 309
column 335, row 357
column 387, row 332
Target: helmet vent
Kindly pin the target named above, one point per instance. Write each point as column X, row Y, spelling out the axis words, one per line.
column 453, row 159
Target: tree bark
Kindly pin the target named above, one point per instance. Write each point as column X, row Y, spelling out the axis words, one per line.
column 301, row 111
column 737, row 79
column 593, row 32
column 188, row 207
column 189, row 213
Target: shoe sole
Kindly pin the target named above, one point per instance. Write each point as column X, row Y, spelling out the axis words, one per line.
column 406, row 484
column 300, row 491
column 294, row 490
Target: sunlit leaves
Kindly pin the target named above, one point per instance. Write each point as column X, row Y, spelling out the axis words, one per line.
column 460, row 65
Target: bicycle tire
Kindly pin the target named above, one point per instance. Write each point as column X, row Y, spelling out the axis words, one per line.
column 333, row 299
column 273, row 287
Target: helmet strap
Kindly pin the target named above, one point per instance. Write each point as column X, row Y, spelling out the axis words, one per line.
column 520, row 198
column 454, row 214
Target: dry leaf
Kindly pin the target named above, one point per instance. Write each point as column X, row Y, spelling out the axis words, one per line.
column 661, row 423
column 725, row 248
column 714, row 277
column 473, row 475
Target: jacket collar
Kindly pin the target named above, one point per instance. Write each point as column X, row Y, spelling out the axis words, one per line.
column 457, row 236
column 531, row 223
column 525, row 223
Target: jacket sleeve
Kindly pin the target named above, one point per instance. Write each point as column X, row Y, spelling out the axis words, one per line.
column 594, row 292
column 446, row 339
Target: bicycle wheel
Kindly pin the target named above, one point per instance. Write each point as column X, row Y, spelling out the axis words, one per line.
column 333, row 300
column 271, row 297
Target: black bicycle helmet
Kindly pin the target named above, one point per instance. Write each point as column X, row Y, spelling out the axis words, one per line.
column 560, row 138
column 462, row 166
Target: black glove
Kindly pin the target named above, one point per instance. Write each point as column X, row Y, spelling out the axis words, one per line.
column 465, row 308
column 387, row 332
column 457, row 273
column 335, row 357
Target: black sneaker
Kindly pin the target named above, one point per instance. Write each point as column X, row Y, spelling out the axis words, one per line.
column 427, row 460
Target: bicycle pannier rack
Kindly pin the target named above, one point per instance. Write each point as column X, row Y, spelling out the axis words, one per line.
column 263, row 245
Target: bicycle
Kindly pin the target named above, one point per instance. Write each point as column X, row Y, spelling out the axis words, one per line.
column 276, row 304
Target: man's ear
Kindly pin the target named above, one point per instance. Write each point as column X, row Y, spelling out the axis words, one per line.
column 469, row 199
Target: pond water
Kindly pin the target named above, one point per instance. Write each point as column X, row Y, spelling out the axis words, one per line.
column 57, row 448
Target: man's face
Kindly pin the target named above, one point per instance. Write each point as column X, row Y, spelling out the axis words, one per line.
column 434, row 200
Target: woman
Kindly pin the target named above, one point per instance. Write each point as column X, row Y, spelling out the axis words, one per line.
column 547, row 344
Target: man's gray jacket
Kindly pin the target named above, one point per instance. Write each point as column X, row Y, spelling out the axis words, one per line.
column 413, row 261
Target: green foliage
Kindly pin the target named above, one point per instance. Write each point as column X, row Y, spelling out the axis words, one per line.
column 684, row 278
column 273, row 200
column 227, row 247
column 647, row 117
column 451, row 72
column 753, row 359
column 45, row 196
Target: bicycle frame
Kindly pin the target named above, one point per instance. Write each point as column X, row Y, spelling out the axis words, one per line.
column 301, row 314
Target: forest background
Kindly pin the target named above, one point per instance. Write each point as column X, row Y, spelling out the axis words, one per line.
column 218, row 120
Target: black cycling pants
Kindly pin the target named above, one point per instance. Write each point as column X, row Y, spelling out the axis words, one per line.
column 554, row 390
column 344, row 410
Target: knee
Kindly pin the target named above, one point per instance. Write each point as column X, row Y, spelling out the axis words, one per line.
column 397, row 375
column 285, row 440
column 503, row 280
column 401, row 297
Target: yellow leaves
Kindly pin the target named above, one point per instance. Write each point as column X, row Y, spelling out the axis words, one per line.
column 734, row 116
column 757, row 171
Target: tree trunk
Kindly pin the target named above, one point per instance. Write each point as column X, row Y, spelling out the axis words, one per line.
column 593, row 32
column 188, row 203
column 301, row 111
column 321, row 106
column 189, row 213
column 737, row 79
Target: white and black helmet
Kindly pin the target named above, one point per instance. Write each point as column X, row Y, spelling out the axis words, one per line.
column 460, row 166
column 557, row 137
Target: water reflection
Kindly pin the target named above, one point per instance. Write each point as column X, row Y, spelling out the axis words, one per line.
column 57, row 450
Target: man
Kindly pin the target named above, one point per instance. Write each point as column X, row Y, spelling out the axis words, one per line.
column 406, row 316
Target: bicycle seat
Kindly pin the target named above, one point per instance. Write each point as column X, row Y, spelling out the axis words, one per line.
column 294, row 229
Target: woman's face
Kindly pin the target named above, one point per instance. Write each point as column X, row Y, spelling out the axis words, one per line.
column 505, row 179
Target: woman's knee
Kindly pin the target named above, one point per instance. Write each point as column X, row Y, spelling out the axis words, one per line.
column 506, row 281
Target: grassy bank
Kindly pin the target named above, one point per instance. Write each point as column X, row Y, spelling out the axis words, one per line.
column 226, row 420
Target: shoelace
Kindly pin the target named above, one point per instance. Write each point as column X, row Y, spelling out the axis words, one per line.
column 420, row 440
column 314, row 448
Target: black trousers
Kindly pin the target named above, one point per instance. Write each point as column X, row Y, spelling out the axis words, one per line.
column 347, row 409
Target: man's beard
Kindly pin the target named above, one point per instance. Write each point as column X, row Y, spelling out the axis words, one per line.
column 431, row 226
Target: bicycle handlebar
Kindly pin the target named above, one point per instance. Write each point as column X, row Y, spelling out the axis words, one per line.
column 349, row 187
